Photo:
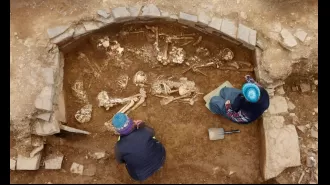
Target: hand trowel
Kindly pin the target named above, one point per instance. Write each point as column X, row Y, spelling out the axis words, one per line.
column 219, row 133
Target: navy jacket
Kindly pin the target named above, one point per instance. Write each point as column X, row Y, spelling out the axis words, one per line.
column 252, row 110
column 141, row 152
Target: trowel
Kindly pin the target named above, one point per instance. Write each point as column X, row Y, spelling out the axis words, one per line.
column 219, row 133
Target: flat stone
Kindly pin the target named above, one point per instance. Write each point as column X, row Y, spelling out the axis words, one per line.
column 64, row 36
column 89, row 170
column 53, row 32
column 70, row 129
column 79, row 30
column 44, row 128
column 278, row 105
column 54, row 162
column 215, row 23
column 300, row 34
column 134, row 10
column 187, row 19
column 150, row 10
column 314, row 133
column 253, row 37
column 164, row 13
column 288, row 39
column 120, row 13
column 281, row 147
column 302, row 128
column 203, row 19
column 97, row 155
column 175, row 17
column 77, row 168
column 92, row 25
column 12, row 164
column 48, row 74
column 243, row 33
column 229, row 28
column 44, row 116
column 60, row 113
column 28, row 163
column 103, row 13
column 107, row 21
column 304, row 87
column 291, row 106
column 44, row 100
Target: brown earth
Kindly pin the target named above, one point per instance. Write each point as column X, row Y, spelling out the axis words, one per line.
column 182, row 128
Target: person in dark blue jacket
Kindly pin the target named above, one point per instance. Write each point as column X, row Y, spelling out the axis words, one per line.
column 137, row 147
column 241, row 106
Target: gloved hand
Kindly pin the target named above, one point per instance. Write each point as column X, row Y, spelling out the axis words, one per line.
column 247, row 77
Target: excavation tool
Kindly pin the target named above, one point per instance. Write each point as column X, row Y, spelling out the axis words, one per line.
column 219, row 133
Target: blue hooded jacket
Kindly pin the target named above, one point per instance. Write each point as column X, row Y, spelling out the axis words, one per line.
column 141, row 152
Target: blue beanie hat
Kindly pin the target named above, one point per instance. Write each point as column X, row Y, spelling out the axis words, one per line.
column 122, row 123
column 251, row 92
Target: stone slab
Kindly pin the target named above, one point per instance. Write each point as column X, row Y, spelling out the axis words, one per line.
column 63, row 37
column 45, row 128
column 53, row 32
column 278, row 105
column 203, row 19
column 215, row 23
column 48, row 74
column 44, row 100
column 188, row 19
column 150, row 10
column 77, row 168
column 44, row 116
column 12, row 164
column 54, row 162
column 28, row 163
column 229, row 28
column 135, row 10
column 280, row 148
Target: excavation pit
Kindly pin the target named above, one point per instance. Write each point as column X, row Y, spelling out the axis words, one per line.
column 182, row 128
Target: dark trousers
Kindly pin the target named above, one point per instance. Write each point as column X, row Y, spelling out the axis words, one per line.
column 217, row 103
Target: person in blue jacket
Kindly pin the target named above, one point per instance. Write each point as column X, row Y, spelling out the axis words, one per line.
column 137, row 147
column 241, row 106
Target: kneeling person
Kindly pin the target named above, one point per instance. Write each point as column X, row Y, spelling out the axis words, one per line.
column 137, row 147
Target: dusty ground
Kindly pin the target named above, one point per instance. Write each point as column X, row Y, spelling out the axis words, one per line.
column 184, row 134
column 29, row 21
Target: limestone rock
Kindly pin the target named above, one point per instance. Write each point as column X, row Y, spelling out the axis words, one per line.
column 89, row 170
column 105, row 14
column 120, row 13
column 281, row 147
column 77, row 168
column 134, row 10
column 12, row 164
column 44, row 116
column 302, row 128
column 288, row 39
column 278, row 105
column 301, row 35
column 54, row 162
column 97, row 155
column 60, row 113
column 48, row 74
column 91, row 25
column 44, row 100
column 45, row 128
column 64, row 36
column 53, row 32
column 277, row 63
column 28, row 163
column 150, row 10
column 79, row 30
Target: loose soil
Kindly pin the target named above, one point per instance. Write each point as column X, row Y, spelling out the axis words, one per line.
column 182, row 128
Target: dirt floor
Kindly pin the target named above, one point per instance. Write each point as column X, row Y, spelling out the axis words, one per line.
column 184, row 133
